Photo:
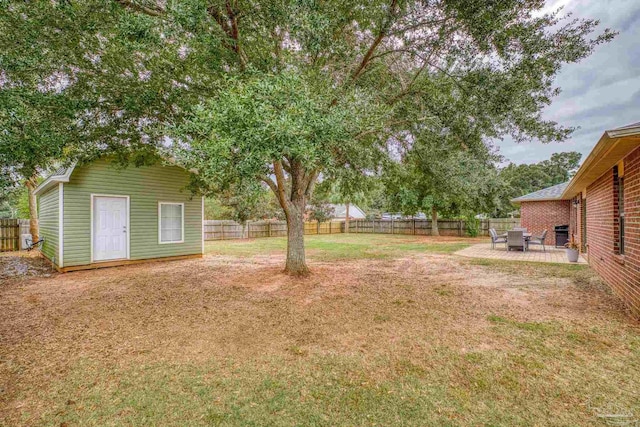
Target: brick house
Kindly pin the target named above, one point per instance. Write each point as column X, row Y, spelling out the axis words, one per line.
column 544, row 209
column 601, row 205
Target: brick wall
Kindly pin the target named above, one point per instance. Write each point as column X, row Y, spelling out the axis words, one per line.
column 575, row 224
column 621, row 272
column 574, row 221
column 545, row 215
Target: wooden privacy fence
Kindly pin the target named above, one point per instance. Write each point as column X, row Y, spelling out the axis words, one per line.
column 501, row 225
column 225, row 230
column 417, row 227
column 10, row 231
column 422, row 227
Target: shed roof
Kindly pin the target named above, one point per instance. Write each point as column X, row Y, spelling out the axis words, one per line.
column 61, row 174
column 550, row 193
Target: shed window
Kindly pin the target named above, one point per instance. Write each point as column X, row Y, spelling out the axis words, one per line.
column 171, row 222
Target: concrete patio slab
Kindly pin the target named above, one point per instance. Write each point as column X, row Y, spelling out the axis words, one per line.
column 535, row 254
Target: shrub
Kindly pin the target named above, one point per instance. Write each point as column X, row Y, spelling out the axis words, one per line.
column 473, row 227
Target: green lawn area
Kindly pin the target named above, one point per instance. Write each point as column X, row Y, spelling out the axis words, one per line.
column 393, row 331
column 342, row 246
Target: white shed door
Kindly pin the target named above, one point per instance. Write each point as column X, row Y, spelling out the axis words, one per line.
column 110, row 233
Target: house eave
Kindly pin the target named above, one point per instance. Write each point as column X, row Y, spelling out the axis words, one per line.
column 613, row 146
column 619, row 133
column 548, row 199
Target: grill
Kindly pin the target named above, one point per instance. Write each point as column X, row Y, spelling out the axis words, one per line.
column 562, row 235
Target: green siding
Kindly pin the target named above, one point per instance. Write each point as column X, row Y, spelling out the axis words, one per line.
column 145, row 186
column 48, row 214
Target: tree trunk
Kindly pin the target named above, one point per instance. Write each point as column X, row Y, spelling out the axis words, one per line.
column 434, row 222
column 346, row 220
column 293, row 201
column 296, row 261
column 33, row 209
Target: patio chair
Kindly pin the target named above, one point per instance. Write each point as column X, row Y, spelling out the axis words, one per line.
column 495, row 238
column 538, row 240
column 515, row 239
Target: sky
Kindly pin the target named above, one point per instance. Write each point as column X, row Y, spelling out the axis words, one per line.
column 601, row 92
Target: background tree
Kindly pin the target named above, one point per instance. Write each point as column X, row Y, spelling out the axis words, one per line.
column 527, row 178
column 225, row 205
column 215, row 209
column 14, row 201
column 377, row 200
column 249, row 203
column 561, row 166
column 339, row 81
column 320, row 211
column 435, row 178
column 350, row 187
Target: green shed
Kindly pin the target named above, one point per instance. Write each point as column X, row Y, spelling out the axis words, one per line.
column 100, row 215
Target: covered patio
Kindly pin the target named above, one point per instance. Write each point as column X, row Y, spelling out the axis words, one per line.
column 484, row 250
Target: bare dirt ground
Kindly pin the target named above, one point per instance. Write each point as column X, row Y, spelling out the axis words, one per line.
column 247, row 312
column 20, row 264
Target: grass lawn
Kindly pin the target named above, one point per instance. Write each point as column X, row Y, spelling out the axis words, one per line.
column 388, row 330
column 342, row 246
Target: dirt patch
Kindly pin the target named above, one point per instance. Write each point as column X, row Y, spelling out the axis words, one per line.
column 15, row 265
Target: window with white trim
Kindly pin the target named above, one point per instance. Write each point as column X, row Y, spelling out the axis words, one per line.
column 171, row 222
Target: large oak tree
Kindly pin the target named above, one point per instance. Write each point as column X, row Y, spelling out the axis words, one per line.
column 286, row 91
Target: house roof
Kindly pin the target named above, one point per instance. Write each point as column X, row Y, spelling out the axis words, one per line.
column 629, row 126
column 340, row 210
column 549, row 193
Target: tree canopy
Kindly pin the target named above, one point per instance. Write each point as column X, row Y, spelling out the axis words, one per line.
column 434, row 178
column 283, row 91
column 242, row 204
column 526, row 178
